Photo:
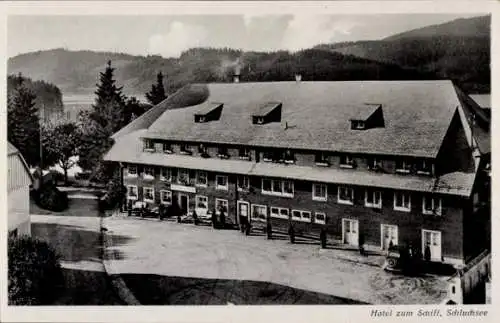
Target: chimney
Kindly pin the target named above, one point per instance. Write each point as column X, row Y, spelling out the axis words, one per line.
column 236, row 76
column 298, row 78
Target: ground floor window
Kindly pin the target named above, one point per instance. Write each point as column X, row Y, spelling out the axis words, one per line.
column 304, row 216
column 149, row 194
column 166, row 197
column 320, row 218
column 389, row 236
column 221, row 206
column 279, row 212
column 259, row 212
column 201, row 202
column 431, row 245
column 132, row 192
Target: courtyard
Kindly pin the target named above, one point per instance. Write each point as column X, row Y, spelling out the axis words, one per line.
column 182, row 264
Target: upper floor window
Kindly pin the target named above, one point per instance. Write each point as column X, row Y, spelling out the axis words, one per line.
column 165, row 174
column 345, row 195
column 183, row 176
column 221, row 182
column 201, row 178
column 132, row 170
column 244, row 153
column 202, row 149
column 149, row 145
column 149, row 172
column 402, row 201
column 403, row 166
column 277, row 187
column 289, row 156
column 374, row 163
column 222, row 152
column 186, row 149
column 167, row 148
column 424, row 167
column 346, row 161
column 321, row 159
column 243, row 183
column 320, row 192
column 431, row 205
column 373, row 198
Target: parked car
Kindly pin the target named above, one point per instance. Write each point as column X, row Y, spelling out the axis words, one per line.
column 83, row 175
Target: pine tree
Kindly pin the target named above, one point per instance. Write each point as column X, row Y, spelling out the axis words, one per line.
column 23, row 127
column 157, row 93
column 106, row 117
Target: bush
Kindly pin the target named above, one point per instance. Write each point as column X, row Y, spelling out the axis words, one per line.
column 34, row 272
column 115, row 193
column 50, row 198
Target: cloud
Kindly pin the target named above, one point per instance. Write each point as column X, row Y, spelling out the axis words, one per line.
column 305, row 31
column 180, row 37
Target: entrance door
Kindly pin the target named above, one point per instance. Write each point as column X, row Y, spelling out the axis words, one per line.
column 389, row 234
column 184, row 203
column 432, row 239
column 350, row 232
column 243, row 209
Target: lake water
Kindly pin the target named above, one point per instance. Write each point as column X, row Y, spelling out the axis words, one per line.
column 76, row 102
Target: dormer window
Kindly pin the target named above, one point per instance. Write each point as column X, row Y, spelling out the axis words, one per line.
column 268, row 112
column 202, row 150
column 244, row 153
column 223, row 152
column 167, row 148
column 149, row 145
column 186, row 150
column 268, row 156
column 260, row 120
column 403, row 166
column 346, row 161
column 208, row 112
column 321, row 159
column 358, row 124
column 424, row 167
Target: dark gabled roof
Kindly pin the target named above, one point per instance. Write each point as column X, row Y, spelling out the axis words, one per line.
column 416, row 115
column 266, row 108
column 483, row 100
column 207, row 107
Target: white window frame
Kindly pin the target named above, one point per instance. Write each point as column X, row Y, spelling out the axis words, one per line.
column 420, row 169
column 162, row 194
column 185, row 149
column 167, row 151
column 186, row 172
column 198, row 178
column 279, row 215
column 434, row 210
column 349, row 161
column 319, row 198
column 132, row 167
column 402, row 208
column 147, row 143
column 148, row 176
column 374, row 192
column 373, row 163
column 319, row 221
column 252, row 209
column 152, row 193
column 168, row 172
column 406, row 167
column 282, row 185
column 129, row 197
column 341, row 201
column 221, row 187
column 197, row 200
column 301, row 218
column 246, row 153
column 323, row 160
column 224, row 202
column 359, row 124
column 244, row 179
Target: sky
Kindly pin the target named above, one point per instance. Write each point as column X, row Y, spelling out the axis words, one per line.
column 168, row 36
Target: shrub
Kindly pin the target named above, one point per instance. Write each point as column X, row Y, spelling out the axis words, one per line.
column 115, row 193
column 50, row 198
column 34, row 272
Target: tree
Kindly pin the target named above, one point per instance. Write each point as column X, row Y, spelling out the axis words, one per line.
column 60, row 143
column 23, row 127
column 134, row 108
column 106, row 117
column 157, row 92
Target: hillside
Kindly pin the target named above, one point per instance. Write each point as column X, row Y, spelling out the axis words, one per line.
column 459, row 50
column 77, row 71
